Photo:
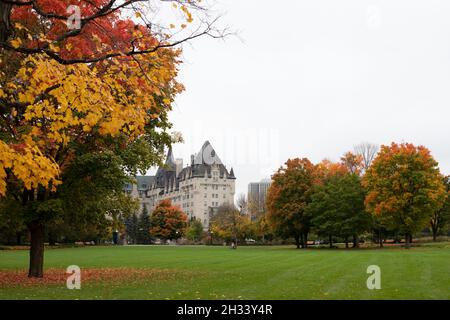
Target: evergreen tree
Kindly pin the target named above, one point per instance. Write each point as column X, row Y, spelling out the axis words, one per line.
column 144, row 225
column 131, row 225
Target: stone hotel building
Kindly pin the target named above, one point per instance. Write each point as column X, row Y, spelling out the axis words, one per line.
column 199, row 188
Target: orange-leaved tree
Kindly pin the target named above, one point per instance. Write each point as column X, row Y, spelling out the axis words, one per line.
column 168, row 222
column 441, row 218
column 78, row 93
column 353, row 162
column 404, row 187
column 288, row 197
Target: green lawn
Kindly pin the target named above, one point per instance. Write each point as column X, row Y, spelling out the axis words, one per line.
column 203, row 272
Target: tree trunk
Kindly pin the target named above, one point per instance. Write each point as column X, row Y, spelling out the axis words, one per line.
column 305, row 239
column 408, row 239
column 297, row 241
column 331, row 241
column 380, row 238
column 302, row 241
column 18, row 238
column 355, row 241
column 51, row 239
column 346, row 242
column 5, row 24
column 36, row 250
column 434, row 230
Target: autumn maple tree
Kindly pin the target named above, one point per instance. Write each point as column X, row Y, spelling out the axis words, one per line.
column 441, row 218
column 230, row 224
column 404, row 188
column 168, row 222
column 288, row 197
column 353, row 163
column 96, row 90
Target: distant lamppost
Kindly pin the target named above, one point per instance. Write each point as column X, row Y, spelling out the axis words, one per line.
column 211, row 233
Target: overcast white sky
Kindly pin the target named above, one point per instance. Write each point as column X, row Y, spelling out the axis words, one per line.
column 313, row 79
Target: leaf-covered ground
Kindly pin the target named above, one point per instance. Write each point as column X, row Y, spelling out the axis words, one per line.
column 19, row 279
column 203, row 272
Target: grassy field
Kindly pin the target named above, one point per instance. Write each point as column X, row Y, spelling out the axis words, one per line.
column 203, row 272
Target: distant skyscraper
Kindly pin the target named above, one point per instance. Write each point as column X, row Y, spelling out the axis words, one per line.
column 256, row 196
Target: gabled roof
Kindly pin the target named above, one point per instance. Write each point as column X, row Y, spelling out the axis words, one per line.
column 207, row 155
column 201, row 166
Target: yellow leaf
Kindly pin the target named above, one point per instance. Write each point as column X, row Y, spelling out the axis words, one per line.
column 16, row 43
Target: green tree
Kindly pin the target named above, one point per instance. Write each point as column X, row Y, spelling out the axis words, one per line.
column 131, row 224
column 12, row 225
column 144, row 226
column 287, row 199
column 194, row 230
column 337, row 208
column 404, row 188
